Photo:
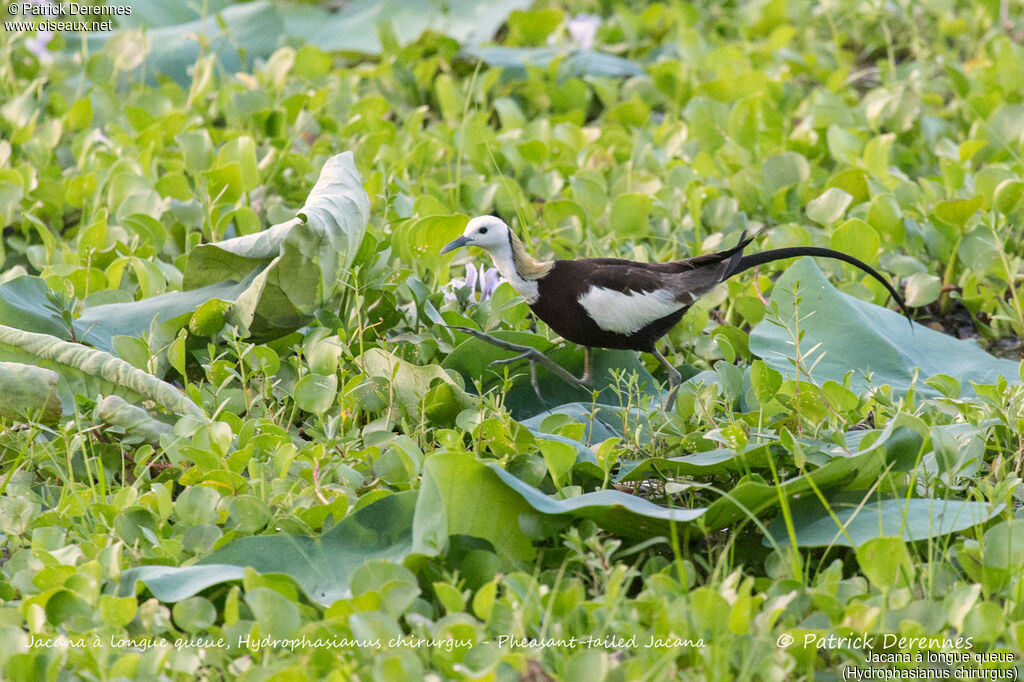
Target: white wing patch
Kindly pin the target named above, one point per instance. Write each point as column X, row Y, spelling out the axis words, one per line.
column 622, row 313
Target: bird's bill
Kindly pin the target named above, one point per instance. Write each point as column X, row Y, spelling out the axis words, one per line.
column 456, row 243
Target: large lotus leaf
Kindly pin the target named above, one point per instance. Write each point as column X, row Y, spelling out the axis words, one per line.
column 753, row 497
column 869, row 338
column 354, row 28
column 575, row 62
column 618, row 512
column 322, row 566
column 23, row 305
column 635, row 517
column 409, row 383
column 860, row 519
column 459, row 495
column 89, row 372
column 717, row 461
column 301, row 263
column 252, row 30
column 99, row 324
column 29, row 393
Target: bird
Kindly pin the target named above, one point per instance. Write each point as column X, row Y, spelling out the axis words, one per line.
column 622, row 304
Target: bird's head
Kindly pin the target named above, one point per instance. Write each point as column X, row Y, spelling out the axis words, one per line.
column 486, row 231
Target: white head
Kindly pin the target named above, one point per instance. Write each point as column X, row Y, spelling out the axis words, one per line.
column 487, row 232
column 507, row 252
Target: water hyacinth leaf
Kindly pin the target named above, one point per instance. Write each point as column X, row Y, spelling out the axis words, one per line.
column 912, row 520
column 89, row 372
column 472, row 358
column 922, row 288
column 784, row 170
column 829, row 207
column 29, row 393
column 410, row 383
column 315, row 393
column 957, row 213
column 322, row 566
column 717, row 461
column 274, row 280
column 853, row 333
column 885, row 562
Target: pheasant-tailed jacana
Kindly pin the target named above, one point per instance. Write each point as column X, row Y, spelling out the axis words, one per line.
column 615, row 303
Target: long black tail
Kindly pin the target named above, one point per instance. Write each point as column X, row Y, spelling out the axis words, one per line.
column 755, row 259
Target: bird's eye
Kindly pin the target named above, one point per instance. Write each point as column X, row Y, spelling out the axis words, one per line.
column 483, row 230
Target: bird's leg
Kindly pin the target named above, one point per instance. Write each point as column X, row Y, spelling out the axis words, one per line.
column 588, row 366
column 525, row 353
column 674, row 379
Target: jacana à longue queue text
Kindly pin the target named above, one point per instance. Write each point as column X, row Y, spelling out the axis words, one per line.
column 615, row 303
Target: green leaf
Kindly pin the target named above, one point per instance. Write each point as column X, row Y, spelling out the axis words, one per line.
column 409, row 383
column 853, row 333
column 886, row 562
column 1003, row 546
column 863, row 521
column 957, row 213
column 460, row 495
column 572, row 63
column 322, row 566
column 829, row 207
column 293, row 268
column 29, row 393
column 253, row 30
column 784, row 170
column 922, row 288
column 858, row 239
column 90, row 372
column 315, row 393
column 629, row 214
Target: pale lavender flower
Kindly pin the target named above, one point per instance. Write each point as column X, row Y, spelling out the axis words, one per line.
column 484, row 280
column 583, row 29
column 38, row 43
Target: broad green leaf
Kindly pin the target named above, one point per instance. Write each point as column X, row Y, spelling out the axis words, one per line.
column 315, row 393
column 460, row 495
column 852, row 333
column 29, row 393
column 629, row 214
column 858, row 239
column 957, row 213
column 90, row 372
column 322, row 566
column 253, row 31
column 293, row 268
column 922, row 288
column 862, row 521
column 886, row 562
column 136, row 421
